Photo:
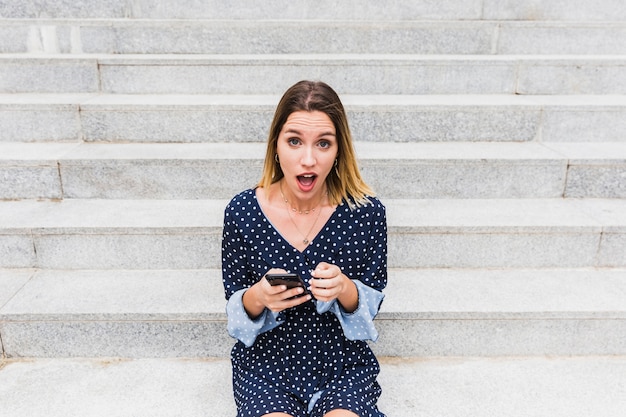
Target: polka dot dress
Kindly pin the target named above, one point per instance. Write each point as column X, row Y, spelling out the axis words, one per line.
column 313, row 358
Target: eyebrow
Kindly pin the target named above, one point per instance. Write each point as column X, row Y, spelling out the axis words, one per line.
column 297, row 132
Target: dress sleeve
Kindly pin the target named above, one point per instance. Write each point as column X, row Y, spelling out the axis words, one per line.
column 358, row 325
column 237, row 278
column 241, row 326
column 235, row 274
column 371, row 280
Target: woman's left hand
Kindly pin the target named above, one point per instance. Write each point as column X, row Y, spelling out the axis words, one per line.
column 330, row 283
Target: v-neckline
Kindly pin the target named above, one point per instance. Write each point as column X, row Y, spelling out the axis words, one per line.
column 282, row 236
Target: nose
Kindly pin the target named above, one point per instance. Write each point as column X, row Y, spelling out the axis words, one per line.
column 308, row 157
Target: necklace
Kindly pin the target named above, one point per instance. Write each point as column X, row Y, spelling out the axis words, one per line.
column 295, row 210
column 305, row 237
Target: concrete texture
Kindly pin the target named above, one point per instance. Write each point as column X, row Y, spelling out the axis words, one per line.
column 397, row 170
column 601, row 10
column 31, row 75
column 184, row 234
column 275, row 9
column 348, row 73
column 455, row 387
column 204, row 36
column 426, row 312
column 40, row 125
column 245, row 118
column 577, row 10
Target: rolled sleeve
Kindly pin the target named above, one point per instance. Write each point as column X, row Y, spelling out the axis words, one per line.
column 359, row 324
column 241, row 326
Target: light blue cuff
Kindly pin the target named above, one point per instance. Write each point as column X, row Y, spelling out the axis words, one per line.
column 314, row 399
column 358, row 325
column 241, row 326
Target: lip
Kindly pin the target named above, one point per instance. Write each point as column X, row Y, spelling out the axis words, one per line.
column 308, row 184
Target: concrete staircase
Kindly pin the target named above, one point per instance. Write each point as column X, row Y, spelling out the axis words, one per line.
column 494, row 131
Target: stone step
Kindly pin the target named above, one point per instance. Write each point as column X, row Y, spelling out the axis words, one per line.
column 429, row 387
column 374, row 118
column 440, row 233
column 347, row 73
column 426, row 312
column 355, row 10
column 97, row 36
column 399, row 170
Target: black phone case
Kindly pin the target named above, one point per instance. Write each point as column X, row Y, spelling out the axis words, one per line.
column 290, row 280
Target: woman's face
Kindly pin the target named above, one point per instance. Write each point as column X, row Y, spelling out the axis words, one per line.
column 307, row 148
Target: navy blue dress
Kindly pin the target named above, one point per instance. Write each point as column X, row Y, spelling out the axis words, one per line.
column 313, row 358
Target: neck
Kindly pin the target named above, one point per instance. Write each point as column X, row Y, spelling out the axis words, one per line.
column 297, row 206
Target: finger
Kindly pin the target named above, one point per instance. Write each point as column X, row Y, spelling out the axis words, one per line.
column 323, row 273
column 323, row 265
column 324, row 294
column 322, row 269
column 329, row 282
column 286, row 294
column 323, row 298
column 294, row 292
column 299, row 300
column 316, row 282
column 325, row 270
column 270, row 289
column 292, row 300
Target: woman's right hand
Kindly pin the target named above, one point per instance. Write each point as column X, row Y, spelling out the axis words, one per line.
column 274, row 297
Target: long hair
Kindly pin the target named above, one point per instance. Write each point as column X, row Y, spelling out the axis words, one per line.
column 344, row 182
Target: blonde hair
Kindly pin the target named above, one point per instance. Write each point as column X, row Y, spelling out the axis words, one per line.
column 344, row 181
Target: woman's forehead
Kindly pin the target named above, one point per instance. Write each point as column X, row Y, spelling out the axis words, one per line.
column 309, row 121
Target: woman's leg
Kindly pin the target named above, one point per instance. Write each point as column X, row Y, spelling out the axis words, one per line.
column 340, row 413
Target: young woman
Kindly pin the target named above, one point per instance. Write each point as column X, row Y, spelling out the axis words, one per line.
column 303, row 351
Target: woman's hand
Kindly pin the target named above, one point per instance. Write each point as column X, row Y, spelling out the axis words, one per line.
column 275, row 297
column 330, row 283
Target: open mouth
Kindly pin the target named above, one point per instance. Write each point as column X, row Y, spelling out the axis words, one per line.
column 306, row 182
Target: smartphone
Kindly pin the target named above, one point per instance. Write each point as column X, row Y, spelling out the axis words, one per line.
column 290, row 280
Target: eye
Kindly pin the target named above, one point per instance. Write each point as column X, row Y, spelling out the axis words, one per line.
column 293, row 141
column 325, row 143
